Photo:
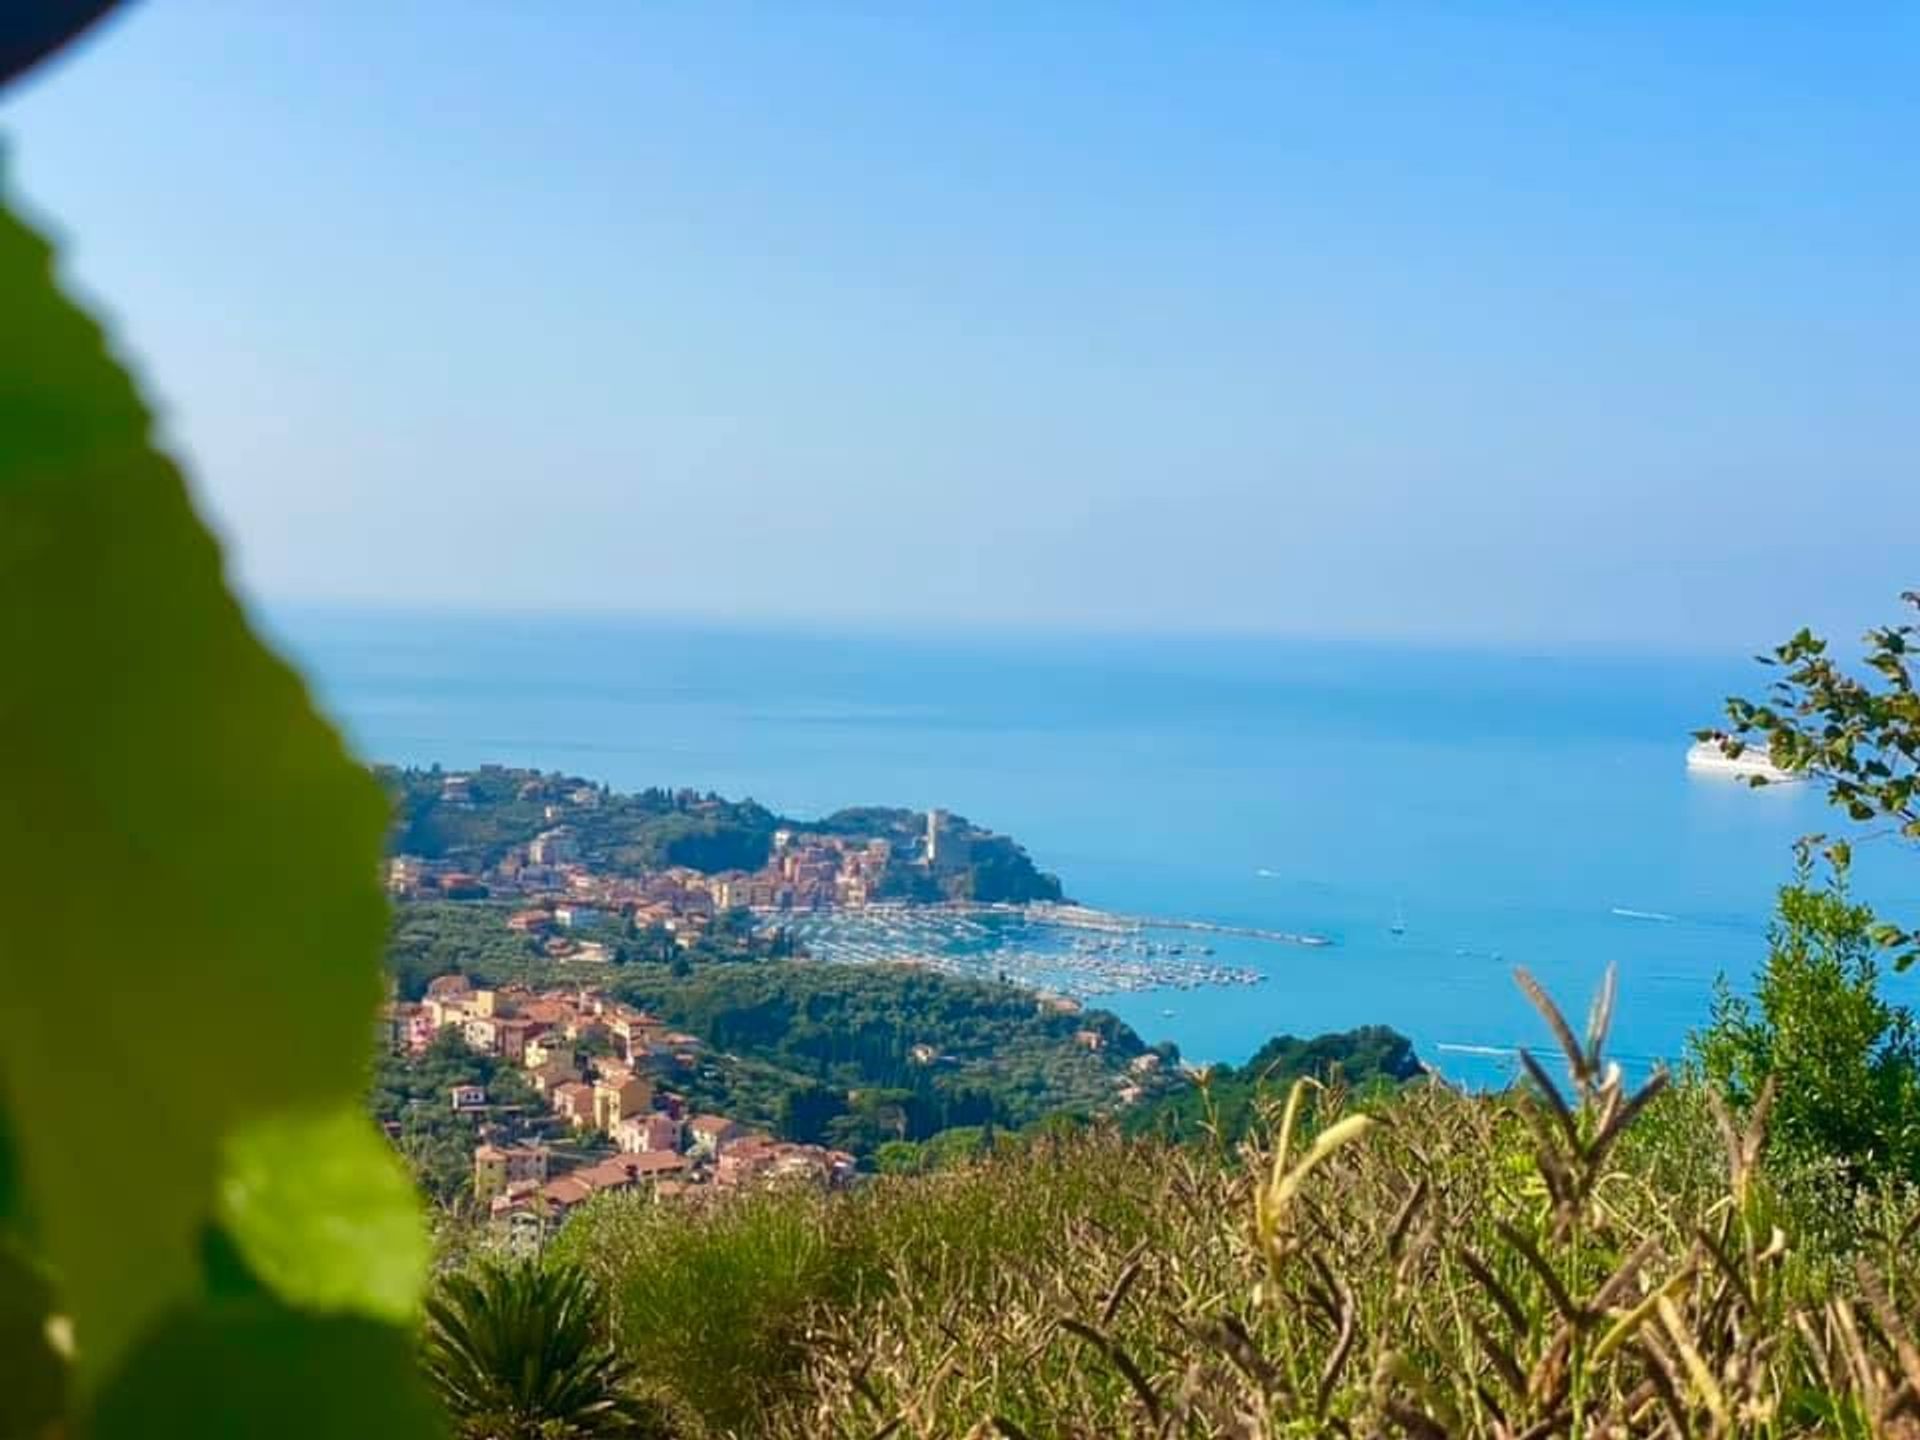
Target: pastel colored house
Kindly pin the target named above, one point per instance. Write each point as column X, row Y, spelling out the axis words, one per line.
column 649, row 1133
column 616, row 1100
column 573, row 1102
column 512, row 1037
column 708, row 1135
column 496, row 1168
column 405, row 1029
column 482, row 1034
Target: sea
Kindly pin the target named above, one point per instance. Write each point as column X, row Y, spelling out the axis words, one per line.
column 1440, row 816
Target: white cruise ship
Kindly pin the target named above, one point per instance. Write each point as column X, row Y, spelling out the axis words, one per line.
column 1706, row 755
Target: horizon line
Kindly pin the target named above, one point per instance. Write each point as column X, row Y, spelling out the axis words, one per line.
column 827, row 625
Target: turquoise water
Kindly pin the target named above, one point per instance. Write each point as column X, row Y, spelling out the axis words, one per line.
column 1507, row 806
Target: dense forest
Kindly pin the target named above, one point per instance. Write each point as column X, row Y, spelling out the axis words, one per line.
column 872, row 1053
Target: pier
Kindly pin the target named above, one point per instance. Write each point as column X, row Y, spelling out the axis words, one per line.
column 1083, row 917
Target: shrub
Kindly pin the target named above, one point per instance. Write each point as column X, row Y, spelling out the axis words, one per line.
column 1844, row 1062
column 1569, row 1258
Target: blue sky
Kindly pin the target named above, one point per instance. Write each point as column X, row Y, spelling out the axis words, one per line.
column 1581, row 324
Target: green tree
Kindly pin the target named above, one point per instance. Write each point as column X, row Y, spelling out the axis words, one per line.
column 957, row 1146
column 1856, row 735
column 519, row 1351
column 1843, row 1061
column 900, row 1157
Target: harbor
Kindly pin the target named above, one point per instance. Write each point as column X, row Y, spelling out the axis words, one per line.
column 1063, row 950
column 1080, row 916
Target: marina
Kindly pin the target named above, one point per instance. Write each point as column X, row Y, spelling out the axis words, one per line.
column 1062, row 950
column 1081, row 917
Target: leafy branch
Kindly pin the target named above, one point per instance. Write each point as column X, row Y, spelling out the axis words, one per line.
column 1857, row 735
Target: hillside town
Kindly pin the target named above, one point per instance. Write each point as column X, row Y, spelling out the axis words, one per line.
column 603, row 1072
column 567, row 889
column 804, row 872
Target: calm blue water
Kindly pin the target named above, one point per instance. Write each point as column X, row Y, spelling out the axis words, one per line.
column 1505, row 804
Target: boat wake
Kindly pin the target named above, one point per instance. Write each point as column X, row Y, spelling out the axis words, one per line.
column 1459, row 1049
column 1626, row 914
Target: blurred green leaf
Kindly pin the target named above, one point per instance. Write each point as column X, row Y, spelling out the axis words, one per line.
column 225, row 1269
column 248, row 1369
column 9, row 1173
column 187, row 852
column 322, row 1211
column 35, row 1389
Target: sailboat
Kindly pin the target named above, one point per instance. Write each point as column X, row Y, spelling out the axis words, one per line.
column 1399, row 925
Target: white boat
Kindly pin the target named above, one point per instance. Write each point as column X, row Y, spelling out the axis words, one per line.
column 1751, row 763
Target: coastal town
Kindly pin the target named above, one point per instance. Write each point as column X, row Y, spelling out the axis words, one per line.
column 581, row 869
column 603, row 1073
column 542, row 919
column 802, row 872
column 592, row 853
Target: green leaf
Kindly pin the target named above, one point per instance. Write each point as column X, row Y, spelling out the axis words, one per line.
column 9, row 1174
column 34, row 1393
column 225, row 1269
column 187, row 853
column 248, row 1369
column 323, row 1213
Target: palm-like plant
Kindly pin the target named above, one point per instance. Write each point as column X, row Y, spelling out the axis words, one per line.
column 518, row 1351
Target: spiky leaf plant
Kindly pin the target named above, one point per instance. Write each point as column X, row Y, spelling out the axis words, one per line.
column 518, row 1351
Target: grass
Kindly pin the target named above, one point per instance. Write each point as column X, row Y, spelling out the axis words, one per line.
column 1569, row 1259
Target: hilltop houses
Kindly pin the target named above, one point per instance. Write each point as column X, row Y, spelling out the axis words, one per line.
column 621, row 1101
column 497, row 1167
column 560, row 892
column 653, row 1131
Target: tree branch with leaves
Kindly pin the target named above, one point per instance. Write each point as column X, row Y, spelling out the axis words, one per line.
column 1855, row 734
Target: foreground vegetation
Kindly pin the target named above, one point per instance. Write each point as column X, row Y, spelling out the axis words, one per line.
column 1735, row 1251
column 1732, row 1252
column 1567, row 1259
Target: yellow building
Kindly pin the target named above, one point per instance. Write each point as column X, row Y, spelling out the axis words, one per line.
column 495, row 1168
column 614, row 1101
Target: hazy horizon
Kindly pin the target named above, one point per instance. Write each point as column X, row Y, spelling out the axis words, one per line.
column 1488, row 329
column 1013, row 636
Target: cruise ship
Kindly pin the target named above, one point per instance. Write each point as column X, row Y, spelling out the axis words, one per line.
column 1751, row 763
